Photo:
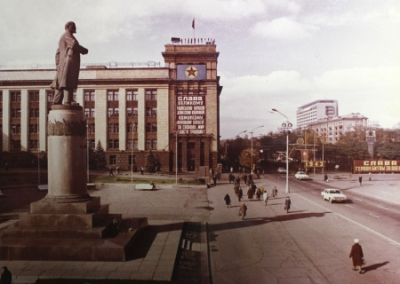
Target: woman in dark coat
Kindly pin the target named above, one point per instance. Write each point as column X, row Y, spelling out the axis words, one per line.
column 240, row 196
column 357, row 255
column 227, row 199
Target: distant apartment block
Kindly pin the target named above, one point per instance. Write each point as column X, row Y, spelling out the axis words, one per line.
column 334, row 127
column 312, row 112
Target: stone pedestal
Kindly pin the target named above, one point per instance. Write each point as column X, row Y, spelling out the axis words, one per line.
column 67, row 154
column 69, row 224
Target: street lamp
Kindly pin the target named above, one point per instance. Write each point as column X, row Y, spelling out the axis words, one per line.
column 286, row 125
column 237, row 135
column 251, row 153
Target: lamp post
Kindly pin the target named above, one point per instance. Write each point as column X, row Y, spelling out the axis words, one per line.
column 286, row 125
column 251, row 153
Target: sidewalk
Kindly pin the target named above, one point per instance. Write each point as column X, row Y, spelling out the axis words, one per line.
column 385, row 187
column 166, row 208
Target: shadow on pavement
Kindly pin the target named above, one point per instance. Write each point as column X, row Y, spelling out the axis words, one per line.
column 374, row 266
column 248, row 222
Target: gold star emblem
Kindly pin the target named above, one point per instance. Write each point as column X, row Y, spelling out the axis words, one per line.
column 191, row 72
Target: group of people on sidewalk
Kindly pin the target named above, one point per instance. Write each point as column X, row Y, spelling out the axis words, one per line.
column 252, row 190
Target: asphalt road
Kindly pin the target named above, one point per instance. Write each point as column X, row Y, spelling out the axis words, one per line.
column 308, row 245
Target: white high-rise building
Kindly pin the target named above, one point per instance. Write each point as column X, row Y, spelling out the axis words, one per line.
column 311, row 112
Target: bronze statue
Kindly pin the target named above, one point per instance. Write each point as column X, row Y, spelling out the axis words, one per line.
column 68, row 57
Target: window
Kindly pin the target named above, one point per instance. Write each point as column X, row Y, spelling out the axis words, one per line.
column 16, row 145
column 131, row 127
column 33, row 112
column 151, row 144
column 131, row 95
column 33, row 128
column 33, row 96
column 151, row 95
column 15, row 113
column 131, row 143
column 50, row 95
column 113, row 128
column 91, row 128
column 112, row 160
column 15, row 96
column 132, row 111
column 33, row 144
column 112, row 95
column 91, row 144
column 113, row 112
column 151, row 127
column 89, row 112
column 15, row 128
column 132, row 160
column 113, row 144
column 89, row 95
column 151, row 111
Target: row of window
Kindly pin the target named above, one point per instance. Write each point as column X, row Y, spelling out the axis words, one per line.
column 112, row 128
column 89, row 95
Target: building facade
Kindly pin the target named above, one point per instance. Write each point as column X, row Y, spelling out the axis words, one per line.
column 172, row 111
column 333, row 128
column 311, row 112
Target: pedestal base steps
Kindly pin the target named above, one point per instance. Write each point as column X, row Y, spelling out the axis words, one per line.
column 82, row 231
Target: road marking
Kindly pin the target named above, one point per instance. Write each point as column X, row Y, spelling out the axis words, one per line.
column 349, row 206
column 374, row 215
column 383, row 207
column 391, row 241
column 358, row 199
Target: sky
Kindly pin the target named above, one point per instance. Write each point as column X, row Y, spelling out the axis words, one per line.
column 278, row 54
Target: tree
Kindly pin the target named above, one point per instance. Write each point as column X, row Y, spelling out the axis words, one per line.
column 100, row 157
column 245, row 157
column 150, row 162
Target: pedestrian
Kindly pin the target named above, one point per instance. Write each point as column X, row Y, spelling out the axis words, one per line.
column 265, row 197
column 243, row 210
column 288, row 203
column 6, row 276
column 117, row 169
column 360, row 179
column 141, row 170
column 250, row 193
column 227, row 199
column 370, row 176
column 240, row 195
column 357, row 256
column 326, row 178
column 274, row 192
column 231, row 169
column 111, row 171
column 215, row 177
column 258, row 193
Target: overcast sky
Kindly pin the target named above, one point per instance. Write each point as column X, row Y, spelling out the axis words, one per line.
column 273, row 53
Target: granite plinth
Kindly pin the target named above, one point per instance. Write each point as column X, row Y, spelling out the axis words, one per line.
column 75, row 231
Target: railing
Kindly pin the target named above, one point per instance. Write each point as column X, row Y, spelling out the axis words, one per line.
column 109, row 65
column 192, row 41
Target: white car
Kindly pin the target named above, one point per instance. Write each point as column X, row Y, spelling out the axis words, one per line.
column 301, row 176
column 333, row 195
column 281, row 170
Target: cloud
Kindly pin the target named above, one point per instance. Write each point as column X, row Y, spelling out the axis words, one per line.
column 283, row 28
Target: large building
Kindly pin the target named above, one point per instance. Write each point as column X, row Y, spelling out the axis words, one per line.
column 131, row 110
column 333, row 128
column 311, row 112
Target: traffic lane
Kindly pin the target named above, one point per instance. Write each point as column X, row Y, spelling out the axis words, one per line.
column 270, row 246
column 364, row 211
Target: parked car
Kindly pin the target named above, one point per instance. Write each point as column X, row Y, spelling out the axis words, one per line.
column 333, row 195
column 301, row 176
column 281, row 170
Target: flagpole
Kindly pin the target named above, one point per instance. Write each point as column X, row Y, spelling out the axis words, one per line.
column 194, row 28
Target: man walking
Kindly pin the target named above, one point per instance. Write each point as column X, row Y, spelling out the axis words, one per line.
column 288, row 203
column 243, row 210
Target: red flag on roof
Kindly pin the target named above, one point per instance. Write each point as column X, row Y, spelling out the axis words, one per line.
column 193, row 23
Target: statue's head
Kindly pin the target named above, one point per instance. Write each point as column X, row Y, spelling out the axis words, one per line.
column 71, row 27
